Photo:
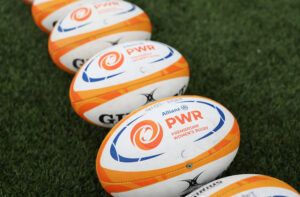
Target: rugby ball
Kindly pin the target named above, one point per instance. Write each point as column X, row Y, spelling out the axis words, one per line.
column 94, row 27
column 168, row 148
column 124, row 77
column 46, row 13
column 246, row 185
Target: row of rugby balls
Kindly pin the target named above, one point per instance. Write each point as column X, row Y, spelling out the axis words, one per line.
column 125, row 74
column 173, row 145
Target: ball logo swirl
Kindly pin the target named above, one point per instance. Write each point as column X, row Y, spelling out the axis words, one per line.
column 81, row 14
column 111, row 60
column 146, row 135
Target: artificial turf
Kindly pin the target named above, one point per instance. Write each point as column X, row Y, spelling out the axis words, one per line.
column 244, row 54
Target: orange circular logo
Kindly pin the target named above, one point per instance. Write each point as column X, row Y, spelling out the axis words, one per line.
column 111, row 60
column 81, row 14
column 146, row 135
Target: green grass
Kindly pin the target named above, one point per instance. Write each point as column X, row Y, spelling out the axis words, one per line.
column 244, row 54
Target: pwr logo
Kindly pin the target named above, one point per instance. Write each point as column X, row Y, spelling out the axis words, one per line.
column 107, row 4
column 81, row 14
column 81, row 18
column 111, row 61
column 183, row 118
column 146, row 135
column 139, row 49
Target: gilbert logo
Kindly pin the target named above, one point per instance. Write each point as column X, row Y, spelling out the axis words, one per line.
column 184, row 118
column 111, row 61
column 146, row 135
column 81, row 14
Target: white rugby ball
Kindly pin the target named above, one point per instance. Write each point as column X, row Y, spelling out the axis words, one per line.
column 94, row 27
column 168, row 148
column 124, row 77
column 246, row 185
column 46, row 13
